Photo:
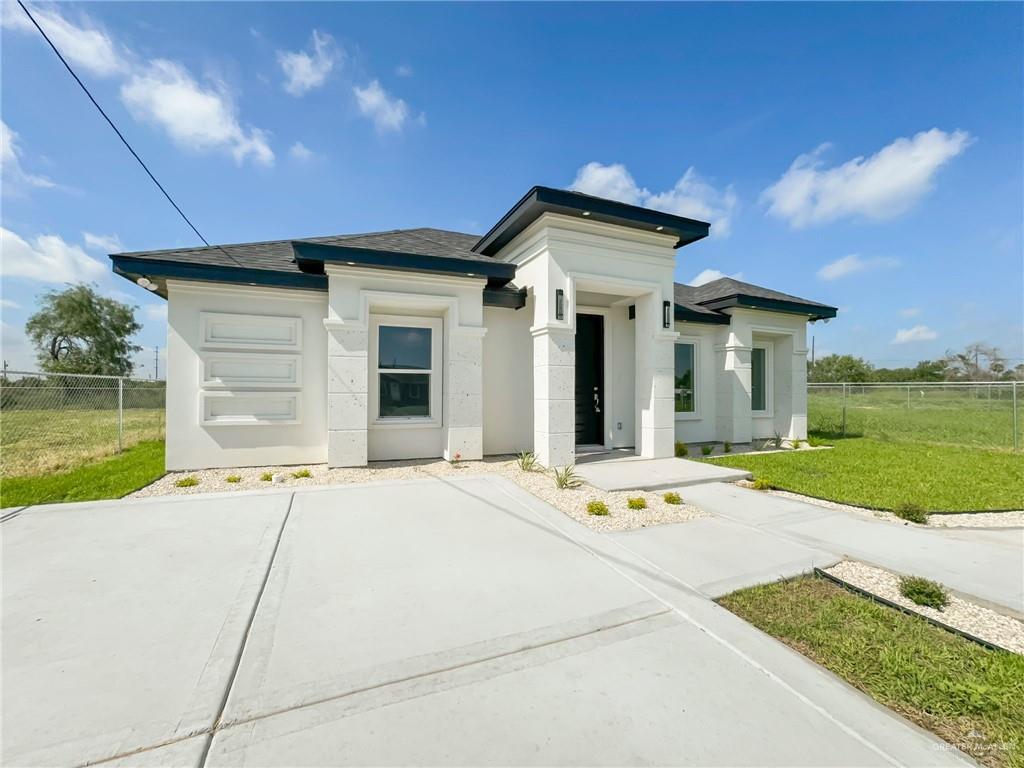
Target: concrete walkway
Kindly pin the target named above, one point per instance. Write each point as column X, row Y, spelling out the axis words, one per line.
column 440, row 622
column 627, row 473
column 985, row 564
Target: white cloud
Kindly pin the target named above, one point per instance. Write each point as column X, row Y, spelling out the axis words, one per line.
column 917, row 333
column 403, row 70
column 849, row 265
column 304, row 70
column 708, row 275
column 196, row 118
column 881, row 186
column 105, row 243
column 84, row 44
column 8, row 304
column 14, row 175
column 388, row 113
column 46, row 259
column 691, row 196
column 300, row 152
column 910, row 312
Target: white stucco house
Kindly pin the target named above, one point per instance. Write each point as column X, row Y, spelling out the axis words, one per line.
column 560, row 328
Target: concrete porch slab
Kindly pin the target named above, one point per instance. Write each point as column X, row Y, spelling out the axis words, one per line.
column 628, row 473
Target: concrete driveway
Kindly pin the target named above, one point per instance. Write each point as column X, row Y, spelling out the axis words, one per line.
column 429, row 622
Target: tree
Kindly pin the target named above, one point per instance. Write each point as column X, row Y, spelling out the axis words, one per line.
column 78, row 331
column 978, row 362
column 838, row 368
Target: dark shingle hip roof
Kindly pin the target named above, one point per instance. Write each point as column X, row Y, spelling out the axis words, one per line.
column 700, row 303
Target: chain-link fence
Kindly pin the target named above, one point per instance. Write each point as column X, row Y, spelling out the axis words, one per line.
column 51, row 422
column 977, row 413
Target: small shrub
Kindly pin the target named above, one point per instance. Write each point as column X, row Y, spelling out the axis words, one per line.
column 796, row 443
column 726, row 447
column 706, row 449
column 636, row 502
column 266, row 477
column 777, row 440
column 814, row 442
column 527, row 461
column 672, row 498
column 915, row 513
column 598, row 508
column 924, row 592
column 233, row 479
column 301, row 473
column 566, row 477
column 760, row 484
column 456, row 459
column 187, row 482
column 681, row 450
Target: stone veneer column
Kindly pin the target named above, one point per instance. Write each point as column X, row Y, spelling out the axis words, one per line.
column 347, row 395
column 655, row 380
column 463, row 399
column 554, row 396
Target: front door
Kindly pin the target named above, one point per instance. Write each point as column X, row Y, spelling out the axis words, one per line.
column 589, row 380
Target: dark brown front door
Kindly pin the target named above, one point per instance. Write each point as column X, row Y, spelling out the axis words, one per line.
column 589, row 380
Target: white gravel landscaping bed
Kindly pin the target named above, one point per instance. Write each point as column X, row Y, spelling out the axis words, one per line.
column 541, row 484
column 935, row 520
column 961, row 614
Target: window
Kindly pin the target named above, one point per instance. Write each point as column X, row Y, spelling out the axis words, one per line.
column 405, row 368
column 686, row 371
column 759, row 379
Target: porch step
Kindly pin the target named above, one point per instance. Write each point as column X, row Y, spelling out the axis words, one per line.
column 633, row 473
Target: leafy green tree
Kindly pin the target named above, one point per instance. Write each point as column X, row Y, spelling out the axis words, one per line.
column 88, row 332
column 839, row 368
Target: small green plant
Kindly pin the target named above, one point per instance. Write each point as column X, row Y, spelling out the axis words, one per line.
column 636, row 502
column 266, row 477
column 760, row 484
column 814, row 442
column 566, row 477
column 233, row 479
column 777, row 440
column 796, row 443
column 527, row 461
column 672, row 498
column 706, row 449
column 924, row 592
column 681, row 450
column 187, row 482
column 455, row 459
column 598, row 508
column 301, row 473
column 726, row 447
column 915, row 513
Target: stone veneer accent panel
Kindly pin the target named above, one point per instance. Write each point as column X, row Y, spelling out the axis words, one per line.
column 347, row 396
column 554, row 397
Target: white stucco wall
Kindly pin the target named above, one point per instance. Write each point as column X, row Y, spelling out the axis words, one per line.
column 508, row 380
column 241, row 354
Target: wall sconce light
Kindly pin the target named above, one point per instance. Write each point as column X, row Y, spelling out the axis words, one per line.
column 559, row 304
column 666, row 314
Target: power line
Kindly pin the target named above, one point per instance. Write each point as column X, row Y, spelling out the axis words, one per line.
column 118, row 132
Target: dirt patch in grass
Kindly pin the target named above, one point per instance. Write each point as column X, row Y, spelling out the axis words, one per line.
column 970, row 696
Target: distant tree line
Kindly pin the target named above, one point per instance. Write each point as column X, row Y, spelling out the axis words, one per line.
column 977, row 362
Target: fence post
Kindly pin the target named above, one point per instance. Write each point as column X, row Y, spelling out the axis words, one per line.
column 844, row 409
column 1016, row 437
column 120, row 413
column 908, row 397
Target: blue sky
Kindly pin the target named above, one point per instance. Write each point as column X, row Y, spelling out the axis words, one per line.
column 868, row 156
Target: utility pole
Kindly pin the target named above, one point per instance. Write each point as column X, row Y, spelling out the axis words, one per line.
column 156, row 363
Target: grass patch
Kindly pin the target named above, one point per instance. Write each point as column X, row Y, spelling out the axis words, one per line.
column 672, row 498
column 636, row 502
column 186, row 482
column 233, row 479
column 598, row 508
column 924, row 592
column 266, row 477
column 109, row 478
column 885, row 475
column 298, row 474
column 965, row 693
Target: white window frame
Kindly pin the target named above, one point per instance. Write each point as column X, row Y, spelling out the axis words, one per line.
column 769, row 377
column 695, row 414
column 436, row 379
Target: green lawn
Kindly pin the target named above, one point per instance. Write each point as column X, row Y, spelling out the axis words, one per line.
column 883, row 475
column 37, row 441
column 969, row 695
column 110, row 478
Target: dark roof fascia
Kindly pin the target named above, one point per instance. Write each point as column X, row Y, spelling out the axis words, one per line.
column 540, row 200
column 132, row 268
column 815, row 311
column 311, row 257
column 685, row 315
